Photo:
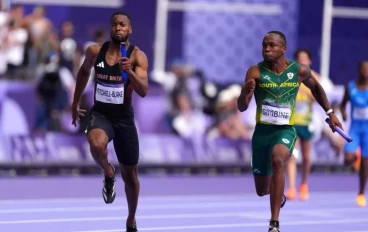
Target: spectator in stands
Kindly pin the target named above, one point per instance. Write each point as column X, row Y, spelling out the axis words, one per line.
column 15, row 40
column 12, row 40
column 182, row 103
column 179, row 99
column 16, row 13
column 68, row 46
column 209, row 93
column 42, row 40
column 228, row 120
column 3, row 30
column 54, row 98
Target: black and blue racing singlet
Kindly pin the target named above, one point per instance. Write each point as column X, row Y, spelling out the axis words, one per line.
column 113, row 95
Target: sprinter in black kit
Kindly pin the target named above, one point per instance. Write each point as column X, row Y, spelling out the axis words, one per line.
column 112, row 116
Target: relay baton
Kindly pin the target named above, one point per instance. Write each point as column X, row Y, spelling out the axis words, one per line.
column 340, row 131
column 123, row 54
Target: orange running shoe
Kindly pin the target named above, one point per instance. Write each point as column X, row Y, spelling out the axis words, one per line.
column 291, row 194
column 360, row 200
column 356, row 164
column 304, row 192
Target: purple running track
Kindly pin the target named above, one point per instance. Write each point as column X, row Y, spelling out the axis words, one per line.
column 176, row 203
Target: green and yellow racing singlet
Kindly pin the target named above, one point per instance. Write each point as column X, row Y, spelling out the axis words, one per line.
column 275, row 95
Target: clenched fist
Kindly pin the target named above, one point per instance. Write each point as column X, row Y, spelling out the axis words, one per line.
column 249, row 86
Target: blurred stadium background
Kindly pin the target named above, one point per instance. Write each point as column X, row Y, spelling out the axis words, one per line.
column 210, row 43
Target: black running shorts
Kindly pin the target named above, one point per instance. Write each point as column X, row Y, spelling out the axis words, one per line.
column 122, row 131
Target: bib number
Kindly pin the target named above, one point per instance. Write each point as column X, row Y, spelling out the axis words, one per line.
column 275, row 114
column 360, row 113
column 110, row 94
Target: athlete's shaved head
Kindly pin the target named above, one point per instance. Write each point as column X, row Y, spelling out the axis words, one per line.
column 273, row 46
column 279, row 33
column 121, row 13
column 120, row 27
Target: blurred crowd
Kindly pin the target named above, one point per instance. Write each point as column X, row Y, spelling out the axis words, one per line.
column 196, row 105
column 34, row 50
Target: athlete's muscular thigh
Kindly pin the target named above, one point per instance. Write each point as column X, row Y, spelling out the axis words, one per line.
column 280, row 153
column 99, row 133
column 282, row 145
column 98, row 140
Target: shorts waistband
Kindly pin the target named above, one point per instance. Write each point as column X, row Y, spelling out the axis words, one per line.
column 261, row 126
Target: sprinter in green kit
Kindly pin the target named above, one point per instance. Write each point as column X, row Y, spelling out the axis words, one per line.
column 275, row 84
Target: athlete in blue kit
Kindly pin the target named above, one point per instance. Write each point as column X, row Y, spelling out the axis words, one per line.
column 112, row 115
column 357, row 93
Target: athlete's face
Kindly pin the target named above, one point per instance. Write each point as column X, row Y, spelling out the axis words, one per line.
column 120, row 28
column 364, row 70
column 273, row 47
column 303, row 58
